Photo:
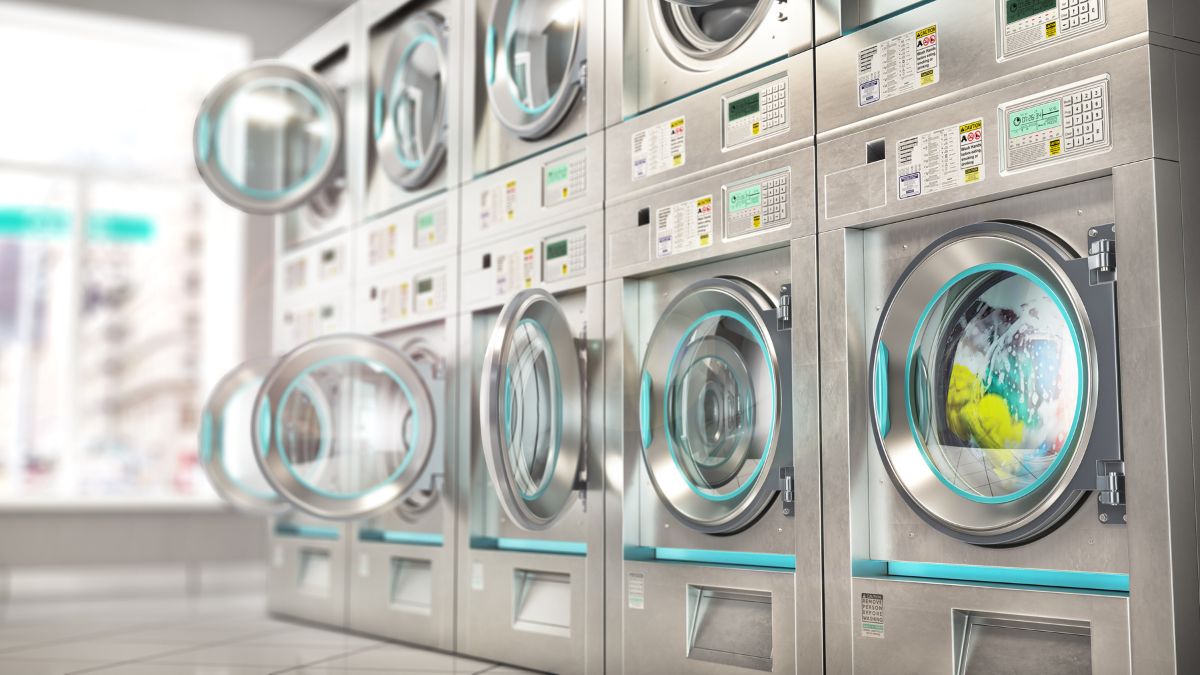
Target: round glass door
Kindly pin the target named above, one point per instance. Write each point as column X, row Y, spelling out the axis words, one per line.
column 410, row 104
column 993, row 387
column 534, row 55
column 531, row 400
column 706, row 30
column 269, row 137
column 710, row 403
column 227, row 446
column 346, row 426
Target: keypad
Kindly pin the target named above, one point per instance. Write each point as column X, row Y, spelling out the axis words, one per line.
column 771, row 116
column 557, row 265
column 1076, row 13
column 757, row 205
column 1086, row 125
column 1058, row 125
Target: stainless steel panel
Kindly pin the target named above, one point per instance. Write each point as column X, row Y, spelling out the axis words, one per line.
column 285, row 555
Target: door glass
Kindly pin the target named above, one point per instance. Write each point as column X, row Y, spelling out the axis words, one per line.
column 415, row 99
column 538, row 39
column 346, row 426
column 711, row 406
column 237, row 455
column 704, row 26
column 532, row 409
column 996, row 383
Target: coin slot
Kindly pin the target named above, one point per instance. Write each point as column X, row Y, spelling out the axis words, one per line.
column 643, row 216
column 876, row 151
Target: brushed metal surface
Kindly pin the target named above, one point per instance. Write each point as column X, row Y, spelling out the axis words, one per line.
column 284, row 555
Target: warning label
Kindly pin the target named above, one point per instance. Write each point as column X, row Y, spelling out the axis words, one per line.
column 684, row 227
column 940, row 160
column 659, row 148
column 637, row 590
column 498, row 205
column 897, row 66
column 871, row 615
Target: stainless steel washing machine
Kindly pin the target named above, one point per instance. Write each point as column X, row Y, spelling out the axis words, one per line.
column 893, row 58
column 402, row 562
column 536, row 70
column 694, row 85
column 531, row 538
column 414, row 100
column 1009, row 476
column 712, row 401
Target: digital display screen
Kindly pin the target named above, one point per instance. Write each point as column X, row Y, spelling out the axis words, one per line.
column 747, row 105
column 745, row 199
column 1035, row 119
column 425, row 285
column 1019, row 10
column 558, row 173
column 328, row 256
column 556, row 249
column 425, row 220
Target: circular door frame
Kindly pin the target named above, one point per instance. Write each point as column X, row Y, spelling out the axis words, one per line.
column 664, row 27
column 417, row 502
column 974, row 249
column 206, row 146
column 276, row 388
column 554, row 498
column 729, row 514
column 420, row 28
column 530, row 124
column 212, row 444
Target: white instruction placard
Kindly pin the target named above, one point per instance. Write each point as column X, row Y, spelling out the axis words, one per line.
column 498, row 204
column 940, row 160
column 637, row 590
column 659, row 148
column 897, row 66
column 683, row 227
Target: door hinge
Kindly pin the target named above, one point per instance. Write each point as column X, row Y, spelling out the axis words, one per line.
column 1102, row 255
column 1110, row 489
column 787, row 489
column 783, row 312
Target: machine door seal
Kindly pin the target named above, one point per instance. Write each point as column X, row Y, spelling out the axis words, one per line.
column 346, row 426
column 534, row 63
column 713, row 401
column 409, row 107
column 531, row 405
column 269, row 137
column 994, row 383
column 235, row 478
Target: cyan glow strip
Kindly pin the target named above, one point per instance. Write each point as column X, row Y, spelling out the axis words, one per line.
column 738, row 558
column 530, row 545
column 1092, row 581
column 394, row 537
column 306, row 531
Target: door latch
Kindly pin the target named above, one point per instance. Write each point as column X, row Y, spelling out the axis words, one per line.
column 1110, row 489
column 1102, row 255
column 783, row 311
column 787, row 490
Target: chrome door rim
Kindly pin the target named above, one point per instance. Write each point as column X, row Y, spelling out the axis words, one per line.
column 691, row 48
column 541, row 511
column 529, row 123
column 423, row 27
column 741, row 508
column 212, row 446
column 940, row 264
column 208, row 126
column 276, row 466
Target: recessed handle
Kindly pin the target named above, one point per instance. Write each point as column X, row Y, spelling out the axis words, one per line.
column 880, row 390
column 644, row 410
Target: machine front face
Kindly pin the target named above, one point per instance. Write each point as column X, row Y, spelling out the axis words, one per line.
column 269, row 138
column 346, row 426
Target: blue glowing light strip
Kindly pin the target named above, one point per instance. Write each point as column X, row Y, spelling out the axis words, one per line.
column 394, row 537
column 741, row 559
column 1092, row 581
column 307, row 531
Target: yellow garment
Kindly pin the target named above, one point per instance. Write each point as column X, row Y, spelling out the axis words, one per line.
column 984, row 418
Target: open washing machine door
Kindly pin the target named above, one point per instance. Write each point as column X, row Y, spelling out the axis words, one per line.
column 226, row 445
column 994, row 383
column 699, row 33
column 269, row 138
column 346, row 426
column 713, row 405
column 534, row 61
column 409, row 106
column 531, row 403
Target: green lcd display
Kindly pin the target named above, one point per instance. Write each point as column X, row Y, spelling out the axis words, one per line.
column 745, row 198
column 555, row 174
column 556, row 249
column 747, row 105
column 1019, row 10
column 425, row 220
column 1035, row 119
column 425, row 285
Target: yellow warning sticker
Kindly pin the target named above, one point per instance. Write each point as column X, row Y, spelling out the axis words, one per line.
column 754, row 128
column 1051, row 29
column 928, row 77
column 757, row 221
column 972, row 175
column 926, row 32
column 1055, row 147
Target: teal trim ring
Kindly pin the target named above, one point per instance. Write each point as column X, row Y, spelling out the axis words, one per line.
column 307, row 531
column 1093, row 581
column 883, row 414
column 377, row 121
column 733, row 558
column 399, row 537
column 489, row 61
column 644, row 410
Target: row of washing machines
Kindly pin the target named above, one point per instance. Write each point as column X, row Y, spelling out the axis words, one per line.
column 728, row 335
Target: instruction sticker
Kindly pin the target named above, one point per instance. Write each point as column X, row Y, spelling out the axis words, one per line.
column 637, row 590
column 476, row 576
column 684, row 227
column 872, row 615
column 516, row 271
column 940, row 160
column 659, row 148
column 498, row 205
column 897, row 66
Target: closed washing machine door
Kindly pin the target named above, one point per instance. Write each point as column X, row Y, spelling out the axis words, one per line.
column 699, row 33
column 994, row 378
column 531, row 402
column 533, row 63
column 269, row 137
column 346, row 426
column 711, row 406
column 226, row 442
column 409, row 110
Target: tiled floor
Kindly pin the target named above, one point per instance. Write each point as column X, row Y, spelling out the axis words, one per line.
column 213, row 636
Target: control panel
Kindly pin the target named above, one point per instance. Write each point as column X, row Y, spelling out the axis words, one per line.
column 1029, row 24
column 564, row 256
column 1056, row 126
column 564, row 179
column 330, row 261
column 430, row 292
column 760, row 203
column 755, row 113
column 381, row 244
column 295, row 274
column 310, row 321
column 429, row 227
